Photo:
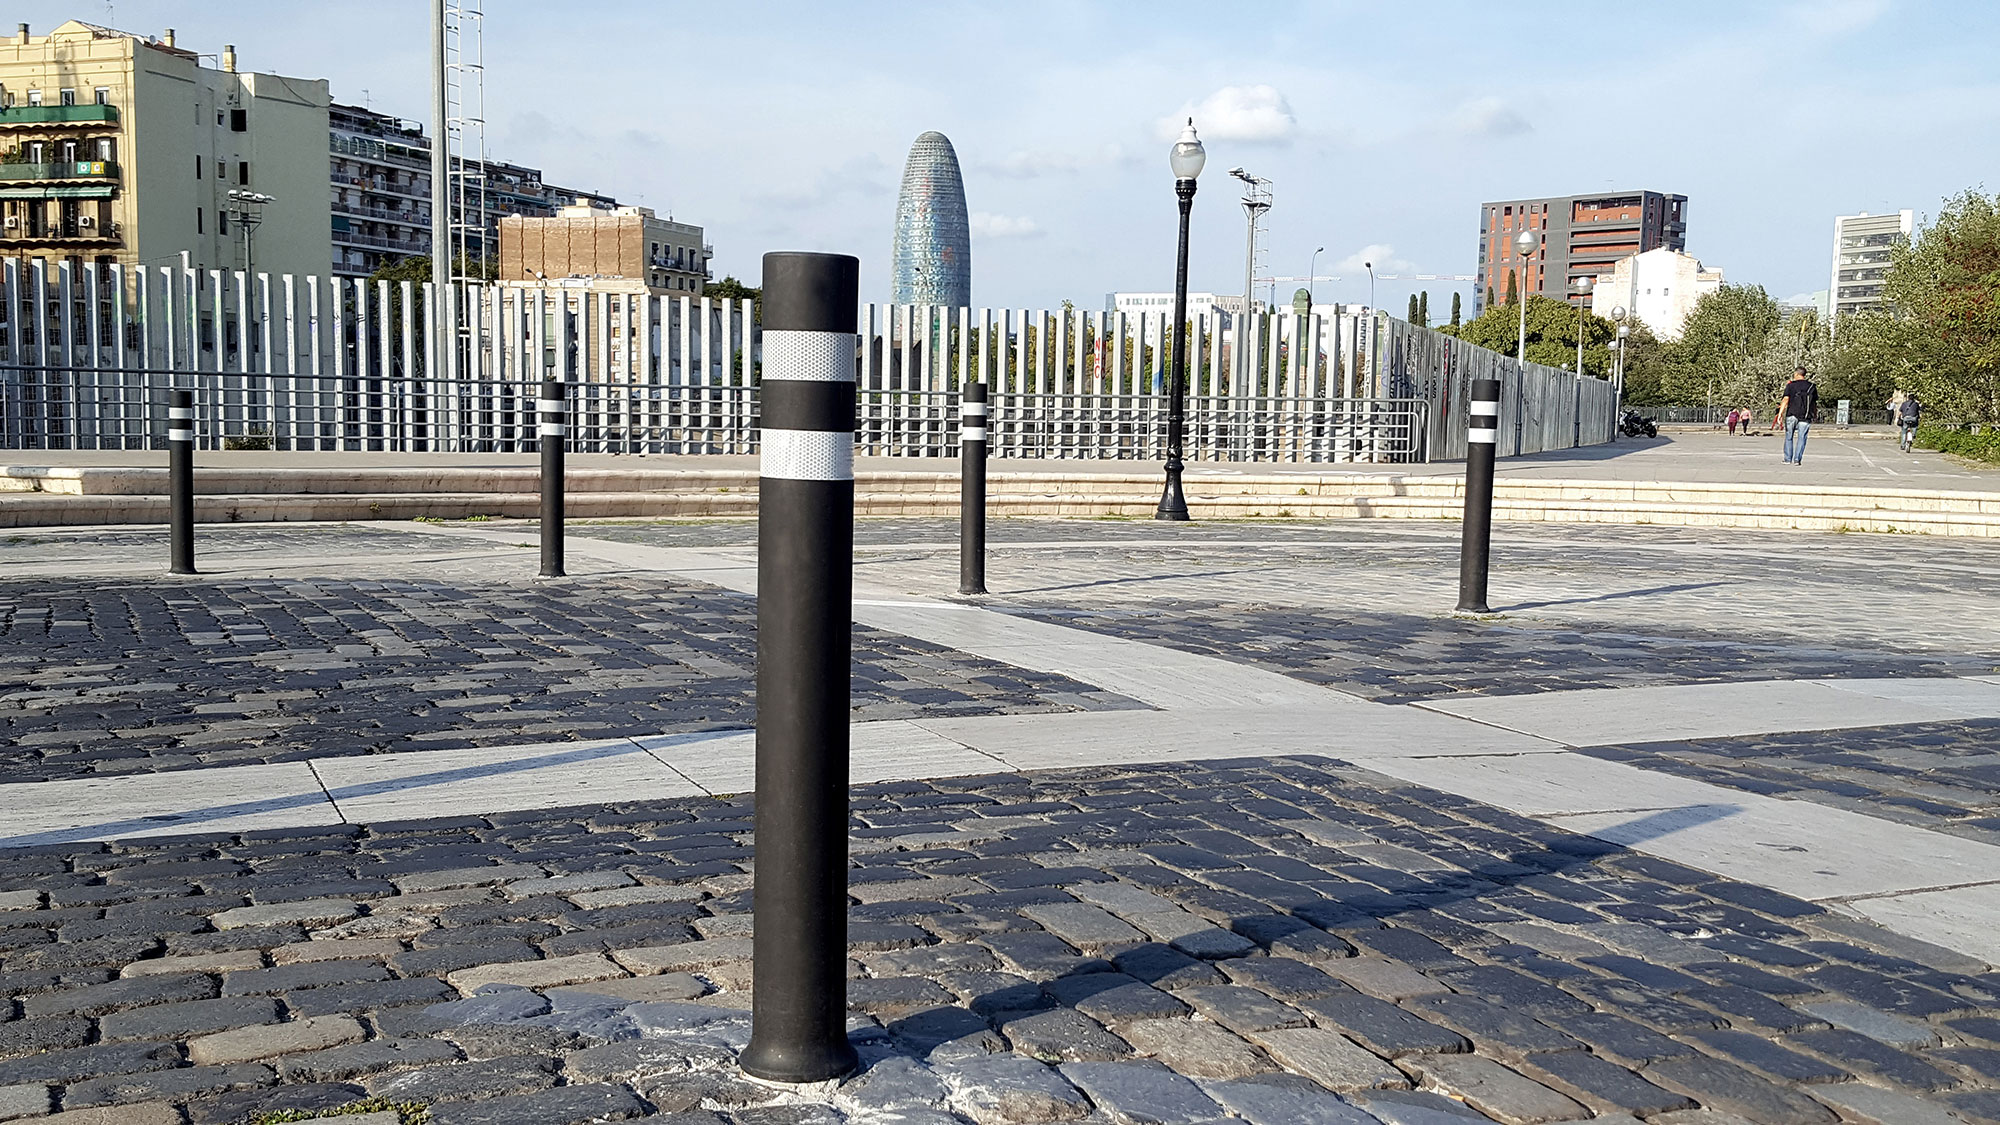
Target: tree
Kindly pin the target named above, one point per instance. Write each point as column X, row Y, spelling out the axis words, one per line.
column 1645, row 367
column 1489, row 296
column 1552, row 332
column 1722, row 348
column 1454, row 310
column 1513, row 288
column 730, row 289
column 1412, row 318
column 1941, row 337
column 1424, row 308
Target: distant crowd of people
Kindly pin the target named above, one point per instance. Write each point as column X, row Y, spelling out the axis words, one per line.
column 1798, row 407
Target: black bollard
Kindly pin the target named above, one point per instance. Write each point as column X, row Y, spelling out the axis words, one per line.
column 180, row 482
column 1482, row 426
column 805, row 589
column 554, row 429
column 972, row 489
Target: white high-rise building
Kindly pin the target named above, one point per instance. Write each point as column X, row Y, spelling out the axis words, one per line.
column 1862, row 246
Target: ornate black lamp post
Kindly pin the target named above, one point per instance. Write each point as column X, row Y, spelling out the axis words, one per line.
column 1186, row 159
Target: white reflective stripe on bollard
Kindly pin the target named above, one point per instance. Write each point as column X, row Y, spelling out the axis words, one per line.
column 813, row 357
column 1481, row 437
column 180, row 435
column 549, row 405
column 972, row 409
column 972, row 433
column 808, row 454
column 180, row 413
column 1488, row 408
column 553, row 429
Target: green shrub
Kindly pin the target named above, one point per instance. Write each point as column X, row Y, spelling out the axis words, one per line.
column 251, row 440
column 1964, row 443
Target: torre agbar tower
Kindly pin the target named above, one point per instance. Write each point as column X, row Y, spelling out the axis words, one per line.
column 933, row 253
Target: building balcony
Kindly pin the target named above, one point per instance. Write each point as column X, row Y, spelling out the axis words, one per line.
column 86, row 170
column 400, row 246
column 14, row 116
column 80, row 236
column 408, row 218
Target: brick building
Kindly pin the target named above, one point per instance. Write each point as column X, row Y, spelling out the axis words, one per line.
column 1581, row 236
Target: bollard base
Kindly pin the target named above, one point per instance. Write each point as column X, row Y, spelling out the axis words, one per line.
column 798, row 1065
column 1473, row 607
column 972, row 591
column 1173, row 502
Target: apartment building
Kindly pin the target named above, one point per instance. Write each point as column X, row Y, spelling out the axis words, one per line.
column 380, row 168
column 1862, row 247
column 583, row 241
column 1581, row 236
column 125, row 148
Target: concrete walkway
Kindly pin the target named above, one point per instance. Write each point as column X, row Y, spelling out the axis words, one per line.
column 1512, row 752
column 1858, row 457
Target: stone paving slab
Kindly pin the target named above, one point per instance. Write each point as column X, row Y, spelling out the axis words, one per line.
column 482, row 966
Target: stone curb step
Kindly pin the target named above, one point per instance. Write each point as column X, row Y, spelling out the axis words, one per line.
column 1694, row 508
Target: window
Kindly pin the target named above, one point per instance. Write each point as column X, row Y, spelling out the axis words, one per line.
column 243, row 172
column 68, row 95
column 222, row 222
column 239, row 120
column 197, row 166
column 197, row 220
column 34, row 97
column 103, row 94
column 218, row 119
column 107, row 149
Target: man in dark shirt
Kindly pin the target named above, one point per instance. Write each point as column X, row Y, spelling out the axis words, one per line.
column 1801, row 400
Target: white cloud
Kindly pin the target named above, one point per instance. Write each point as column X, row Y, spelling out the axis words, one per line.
column 987, row 225
column 1487, row 117
column 1251, row 114
column 1384, row 257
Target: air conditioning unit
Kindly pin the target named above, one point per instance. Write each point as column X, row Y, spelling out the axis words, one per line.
column 86, row 220
column 13, row 221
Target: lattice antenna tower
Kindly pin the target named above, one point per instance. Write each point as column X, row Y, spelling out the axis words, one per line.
column 465, row 138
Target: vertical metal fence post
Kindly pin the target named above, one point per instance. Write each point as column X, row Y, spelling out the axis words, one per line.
column 1475, row 545
column 180, row 482
column 805, row 583
column 972, row 489
column 554, row 428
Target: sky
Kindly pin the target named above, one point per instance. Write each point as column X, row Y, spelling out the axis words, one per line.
column 784, row 125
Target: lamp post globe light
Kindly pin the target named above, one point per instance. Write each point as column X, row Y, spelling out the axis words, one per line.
column 1185, row 160
column 1583, row 288
column 1525, row 245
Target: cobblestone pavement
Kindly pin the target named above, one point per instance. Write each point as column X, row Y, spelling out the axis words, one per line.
column 1874, row 594
column 1944, row 776
column 107, row 676
column 1271, row 942
column 1402, row 658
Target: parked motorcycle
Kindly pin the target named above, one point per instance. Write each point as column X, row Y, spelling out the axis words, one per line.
column 1633, row 425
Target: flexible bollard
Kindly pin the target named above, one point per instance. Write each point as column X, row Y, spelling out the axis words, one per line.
column 1482, row 428
column 805, row 585
column 180, row 482
column 972, row 489
column 554, row 413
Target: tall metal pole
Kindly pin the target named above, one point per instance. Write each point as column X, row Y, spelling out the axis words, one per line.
column 1173, row 503
column 805, row 590
column 440, row 160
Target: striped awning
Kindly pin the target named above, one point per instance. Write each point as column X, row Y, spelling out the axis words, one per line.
column 58, row 191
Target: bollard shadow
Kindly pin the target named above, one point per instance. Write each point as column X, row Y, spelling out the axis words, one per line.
column 1619, row 596
column 152, row 824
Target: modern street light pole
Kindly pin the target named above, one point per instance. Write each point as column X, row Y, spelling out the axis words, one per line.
column 1312, row 272
column 247, row 208
column 1370, row 267
column 1256, row 201
column 1185, row 159
column 1525, row 244
column 1583, row 287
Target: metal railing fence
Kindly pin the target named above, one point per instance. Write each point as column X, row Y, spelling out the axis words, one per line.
column 87, row 355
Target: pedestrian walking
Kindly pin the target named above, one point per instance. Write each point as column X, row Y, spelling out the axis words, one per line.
column 1800, row 403
column 1735, row 416
column 1896, row 406
column 1909, row 414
